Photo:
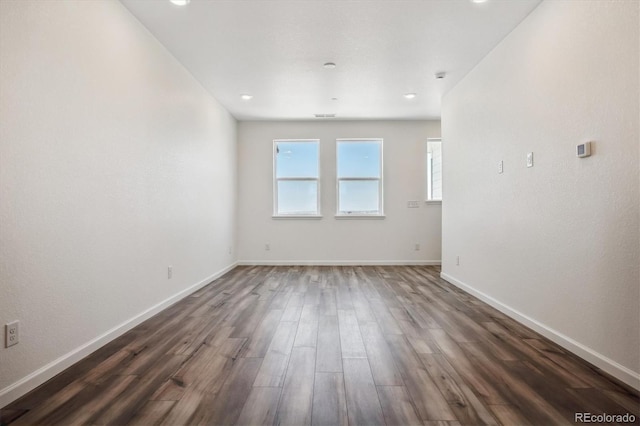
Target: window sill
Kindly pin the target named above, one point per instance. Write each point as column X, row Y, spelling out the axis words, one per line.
column 433, row 202
column 298, row 216
column 360, row 216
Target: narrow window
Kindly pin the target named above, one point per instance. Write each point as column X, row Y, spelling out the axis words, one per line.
column 434, row 170
column 296, row 178
column 359, row 177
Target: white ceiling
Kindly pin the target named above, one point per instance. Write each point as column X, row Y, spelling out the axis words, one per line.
column 275, row 49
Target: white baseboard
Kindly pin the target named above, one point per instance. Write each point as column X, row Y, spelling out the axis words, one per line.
column 338, row 262
column 617, row 370
column 38, row 377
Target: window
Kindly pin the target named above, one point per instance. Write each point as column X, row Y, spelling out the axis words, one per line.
column 359, row 177
column 296, row 178
column 434, row 170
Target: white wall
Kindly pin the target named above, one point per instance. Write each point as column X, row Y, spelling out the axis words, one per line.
column 115, row 163
column 555, row 245
column 329, row 240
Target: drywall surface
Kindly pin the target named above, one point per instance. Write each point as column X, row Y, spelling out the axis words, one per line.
column 115, row 164
column 558, row 242
column 329, row 240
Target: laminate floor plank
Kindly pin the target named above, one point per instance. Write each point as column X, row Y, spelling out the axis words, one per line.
column 183, row 410
column 387, row 322
column 329, row 400
column 514, row 391
column 297, row 394
column 570, row 362
column 383, row 367
column 327, row 304
column 397, row 406
column 39, row 414
column 152, row 413
column 350, row 338
column 275, row 362
column 466, row 369
column 528, row 353
column 225, row 407
column 509, row 415
column 260, row 340
column 216, row 362
column 429, row 402
column 363, row 405
column 96, row 402
column 261, row 406
column 329, row 353
column 307, row 334
column 363, row 309
column 252, row 317
column 466, row 406
column 124, row 407
column 326, row 345
column 312, row 296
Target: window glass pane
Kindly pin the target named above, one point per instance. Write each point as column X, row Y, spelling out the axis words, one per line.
column 298, row 197
column 434, row 170
column 359, row 159
column 296, row 159
column 359, row 196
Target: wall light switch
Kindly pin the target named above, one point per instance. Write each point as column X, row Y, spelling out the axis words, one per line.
column 530, row 159
column 500, row 166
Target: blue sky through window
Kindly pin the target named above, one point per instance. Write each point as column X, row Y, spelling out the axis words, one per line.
column 359, row 159
column 355, row 159
column 297, row 159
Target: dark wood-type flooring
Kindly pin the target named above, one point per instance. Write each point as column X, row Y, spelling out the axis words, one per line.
column 326, row 346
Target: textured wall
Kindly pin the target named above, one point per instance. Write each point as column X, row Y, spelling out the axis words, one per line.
column 329, row 240
column 114, row 164
column 558, row 242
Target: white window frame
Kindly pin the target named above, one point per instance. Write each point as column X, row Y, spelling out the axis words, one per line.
column 276, row 215
column 347, row 215
column 429, row 173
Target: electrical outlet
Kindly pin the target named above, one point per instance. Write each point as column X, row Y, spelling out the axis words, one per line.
column 230, row 249
column 267, row 247
column 12, row 333
column 457, row 260
column 500, row 166
column 169, row 271
column 417, row 247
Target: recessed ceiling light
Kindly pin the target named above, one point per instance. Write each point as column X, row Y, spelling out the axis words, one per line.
column 329, row 65
column 180, row 2
column 246, row 97
column 410, row 95
column 334, row 99
column 440, row 75
column 478, row 1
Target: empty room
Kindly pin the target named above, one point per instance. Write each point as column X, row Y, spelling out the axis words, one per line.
column 319, row 212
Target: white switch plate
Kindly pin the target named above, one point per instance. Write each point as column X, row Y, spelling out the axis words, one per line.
column 500, row 166
column 530, row 159
column 170, row 272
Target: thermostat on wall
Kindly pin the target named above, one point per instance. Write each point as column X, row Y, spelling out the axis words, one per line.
column 584, row 149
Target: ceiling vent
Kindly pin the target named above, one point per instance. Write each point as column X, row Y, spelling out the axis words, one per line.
column 325, row 115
